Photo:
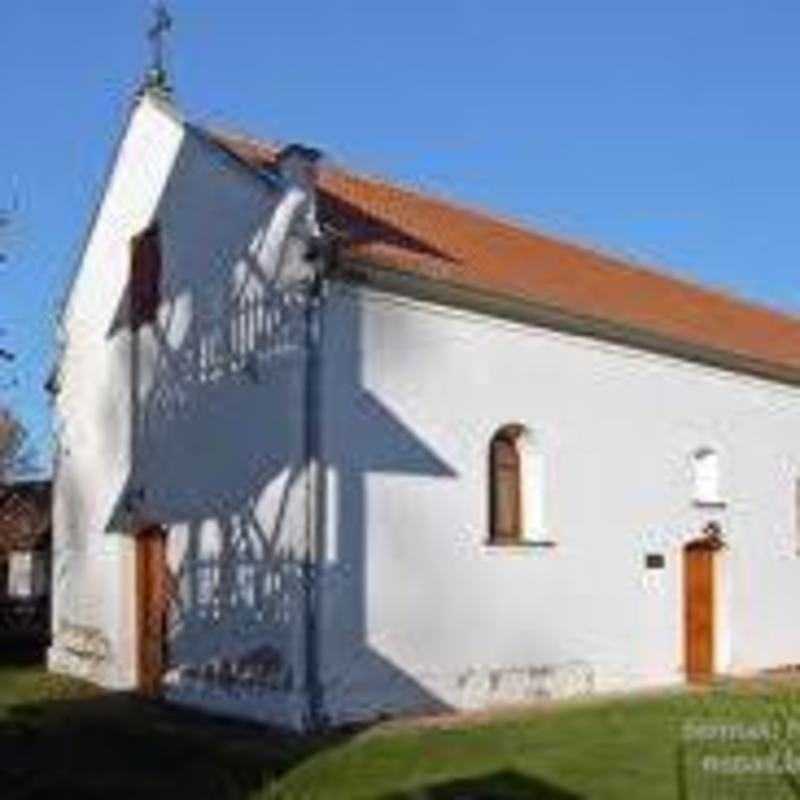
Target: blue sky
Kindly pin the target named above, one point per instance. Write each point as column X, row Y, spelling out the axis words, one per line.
column 665, row 131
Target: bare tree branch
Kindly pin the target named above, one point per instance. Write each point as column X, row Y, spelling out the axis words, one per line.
column 15, row 455
column 5, row 221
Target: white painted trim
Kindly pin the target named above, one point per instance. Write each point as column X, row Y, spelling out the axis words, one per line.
column 723, row 644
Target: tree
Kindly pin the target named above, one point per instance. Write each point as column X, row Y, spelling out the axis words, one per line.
column 15, row 456
column 5, row 222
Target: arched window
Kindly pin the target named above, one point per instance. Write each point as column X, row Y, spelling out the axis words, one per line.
column 505, row 485
column 706, row 476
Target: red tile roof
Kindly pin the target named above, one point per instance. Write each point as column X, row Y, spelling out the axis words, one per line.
column 400, row 229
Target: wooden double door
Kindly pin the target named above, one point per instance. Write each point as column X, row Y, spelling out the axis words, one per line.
column 152, row 606
column 699, row 610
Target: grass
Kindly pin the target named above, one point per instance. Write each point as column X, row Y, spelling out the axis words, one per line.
column 61, row 738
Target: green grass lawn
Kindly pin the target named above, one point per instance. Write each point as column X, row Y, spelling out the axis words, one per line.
column 64, row 739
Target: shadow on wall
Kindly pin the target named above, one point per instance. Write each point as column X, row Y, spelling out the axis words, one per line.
column 364, row 438
column 221, row 453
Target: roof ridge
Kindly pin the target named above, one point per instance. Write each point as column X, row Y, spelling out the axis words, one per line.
column 222, row 134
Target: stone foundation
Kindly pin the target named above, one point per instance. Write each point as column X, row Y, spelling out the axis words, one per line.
column 82, row 652
column 482, row 687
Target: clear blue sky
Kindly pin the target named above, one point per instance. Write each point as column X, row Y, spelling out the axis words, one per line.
column 666, row 131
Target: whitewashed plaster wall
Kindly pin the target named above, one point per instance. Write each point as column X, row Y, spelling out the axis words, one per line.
column 216, row 423
column 91, row 567
column 222, row 435
column 420, row 612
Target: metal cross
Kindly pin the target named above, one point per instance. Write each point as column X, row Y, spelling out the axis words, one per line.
column 162, row 23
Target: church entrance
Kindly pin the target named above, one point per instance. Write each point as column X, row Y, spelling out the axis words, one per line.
column 151, row 607
column 699, row 608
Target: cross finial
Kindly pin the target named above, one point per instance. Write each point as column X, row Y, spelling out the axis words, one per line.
column 156, row 79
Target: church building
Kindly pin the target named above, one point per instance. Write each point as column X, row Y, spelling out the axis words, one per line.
column 331, row 449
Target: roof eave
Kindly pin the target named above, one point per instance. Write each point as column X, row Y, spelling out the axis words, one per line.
column 414, row 285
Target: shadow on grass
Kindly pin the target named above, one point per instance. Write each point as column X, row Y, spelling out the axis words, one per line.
column 120, row 746
column 502, row 785
column 21, row 651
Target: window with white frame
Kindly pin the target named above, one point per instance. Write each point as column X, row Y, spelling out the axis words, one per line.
column 706, row 476
column 516, row 481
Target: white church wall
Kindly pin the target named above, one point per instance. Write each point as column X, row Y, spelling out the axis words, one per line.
column 419, row 611
column 221, row 436
column 92, row 564
column 216, row 424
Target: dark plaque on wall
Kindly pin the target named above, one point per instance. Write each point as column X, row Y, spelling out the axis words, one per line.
column 654, row 561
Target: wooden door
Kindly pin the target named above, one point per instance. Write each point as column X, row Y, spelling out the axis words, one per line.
column 151, row 607
column 699, row 611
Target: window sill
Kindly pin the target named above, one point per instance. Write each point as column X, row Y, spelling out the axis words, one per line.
column 519, row 544
column 716, row 504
